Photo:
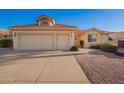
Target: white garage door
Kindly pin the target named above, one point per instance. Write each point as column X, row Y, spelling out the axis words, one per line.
column 44, row 42
column 62, row 42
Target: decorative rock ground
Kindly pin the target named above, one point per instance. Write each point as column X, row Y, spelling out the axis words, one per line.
column 120, row 52
column 101, row 67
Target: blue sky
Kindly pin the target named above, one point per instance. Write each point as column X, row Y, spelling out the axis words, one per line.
column 107, row 20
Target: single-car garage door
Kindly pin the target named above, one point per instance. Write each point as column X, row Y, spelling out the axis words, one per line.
column 62, row 42
column 44, row 42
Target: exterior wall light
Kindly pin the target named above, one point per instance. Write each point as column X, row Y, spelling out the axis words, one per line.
column 71, row 34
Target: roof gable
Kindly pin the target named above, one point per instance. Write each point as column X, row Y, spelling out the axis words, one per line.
column 49, row 24
column 98, row 30
column 45, row 19
column 80, row 32
column 43, row 16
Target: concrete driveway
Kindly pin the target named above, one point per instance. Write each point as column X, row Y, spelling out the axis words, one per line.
column 56, row 69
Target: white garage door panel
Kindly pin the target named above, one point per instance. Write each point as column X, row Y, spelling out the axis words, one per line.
column 44, row 42
column 63, row 42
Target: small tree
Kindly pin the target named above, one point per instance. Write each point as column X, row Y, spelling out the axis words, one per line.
column 110, row 39
column 81, row 43
column 4, row 43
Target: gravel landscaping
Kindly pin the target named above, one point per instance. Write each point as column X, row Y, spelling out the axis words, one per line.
column 102, row 68
column 120, row 52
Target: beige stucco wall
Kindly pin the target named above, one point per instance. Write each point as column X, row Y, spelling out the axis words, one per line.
column 16, row 36
column 87, row 44
column 104, row 38
column 81, row 37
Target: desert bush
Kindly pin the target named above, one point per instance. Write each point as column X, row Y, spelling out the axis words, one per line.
column 74, row 48
column 4, row 43
column 109, row 47
column 95, row 46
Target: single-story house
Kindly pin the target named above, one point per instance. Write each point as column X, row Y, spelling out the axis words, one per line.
column 45, row 35
column 91, row 36
column 4, row 34
column 48, row 35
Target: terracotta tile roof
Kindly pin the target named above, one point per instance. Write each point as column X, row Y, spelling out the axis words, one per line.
column 32, row 26
column 80, row 32
column 100, row 31
column 4, row 32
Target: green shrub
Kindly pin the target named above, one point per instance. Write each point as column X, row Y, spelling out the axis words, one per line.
column 110, row 39
column 109, row 47
column 4, row 43
column 95, row 46
column 74, row 48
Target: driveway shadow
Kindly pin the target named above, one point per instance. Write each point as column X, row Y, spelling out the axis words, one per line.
column 9, row 56
column 106, row 54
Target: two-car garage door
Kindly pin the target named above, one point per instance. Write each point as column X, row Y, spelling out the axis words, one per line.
column 45, row 42
column 36, row 42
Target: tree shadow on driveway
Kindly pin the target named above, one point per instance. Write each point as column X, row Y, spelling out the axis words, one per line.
column 106, row 54
column 9, row 56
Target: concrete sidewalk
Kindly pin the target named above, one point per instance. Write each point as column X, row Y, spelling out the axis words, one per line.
column 39, row 53
column 60, row 69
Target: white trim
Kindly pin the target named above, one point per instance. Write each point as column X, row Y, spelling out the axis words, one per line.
column 55, row 41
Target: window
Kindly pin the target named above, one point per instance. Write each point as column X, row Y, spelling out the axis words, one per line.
column 45, row 23
column 92, row 38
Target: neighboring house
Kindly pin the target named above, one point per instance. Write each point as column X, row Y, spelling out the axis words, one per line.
column 117, row 37
column 4, row 34
column 45, row 35
column 91, row 36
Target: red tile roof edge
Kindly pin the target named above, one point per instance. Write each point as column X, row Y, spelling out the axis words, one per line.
column 4, row 32
column 43, row 26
